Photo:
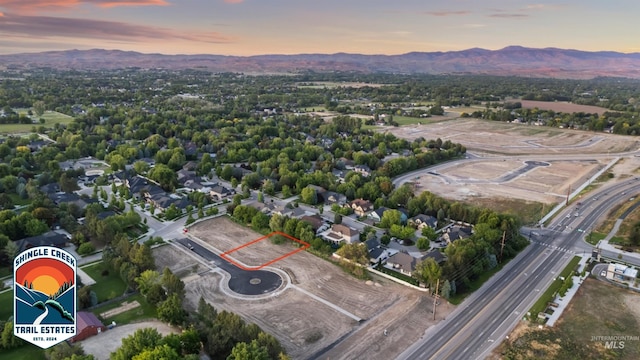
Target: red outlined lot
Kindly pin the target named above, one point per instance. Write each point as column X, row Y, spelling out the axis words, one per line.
column 304, row 244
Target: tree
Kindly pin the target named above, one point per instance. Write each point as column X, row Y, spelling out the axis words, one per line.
column 7, row 339
column 445, row 290
column 172, row 283
column 142, row 339
column 402, row 232
column 63, row 351
column 260, row 197
column 171, row 310
column 86, row 248
column 423, row 243
column 39, row 107
column 390, row 217
column 260, row 221
column 164, row 352
column 355, row 252
column 337, row 219
column 251, row 351
column 146, row 280
column 165, row 176
column 11, row 250
column 141, row 167
column 428, row 271
column 309, row 196
column 429, row 233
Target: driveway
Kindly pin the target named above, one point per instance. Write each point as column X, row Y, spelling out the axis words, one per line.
column 102, row 345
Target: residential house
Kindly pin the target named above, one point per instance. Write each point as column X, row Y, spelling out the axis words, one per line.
column 315, row 220
column 163, row 201
column 421, row 220
column 219, row 192
column 372, row 244
column 403, row 263
column 331, row 198
column 293, row 213
column 435, row 255
column 376, row 215
column 87, row 325
column 340, row 175
column 363, row 170
column 50, row 238
column 71, row 198
column 361, row 207
column 456, row 233
column 340, row 233
column 623, row 273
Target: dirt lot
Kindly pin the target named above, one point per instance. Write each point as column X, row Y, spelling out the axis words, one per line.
column 302, row 323
column 107, row 342
column 517, row 139
column 598, row 309
column 560, row 106
column 474, row 180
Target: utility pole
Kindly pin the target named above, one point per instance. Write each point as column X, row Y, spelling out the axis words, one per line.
column 504, row 233
column 435, row 299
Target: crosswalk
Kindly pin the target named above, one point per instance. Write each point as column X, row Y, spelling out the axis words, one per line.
column 553, row 247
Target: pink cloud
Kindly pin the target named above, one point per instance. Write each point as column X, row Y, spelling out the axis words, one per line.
column 34, row 6
column 447, row 13
column 233, row 1
column 42, row 27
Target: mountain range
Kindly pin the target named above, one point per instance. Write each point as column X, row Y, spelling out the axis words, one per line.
column 512, row 60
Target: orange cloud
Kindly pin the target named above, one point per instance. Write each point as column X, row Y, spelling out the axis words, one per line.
column 34, row 6
column 233, row 1
column 1, row 14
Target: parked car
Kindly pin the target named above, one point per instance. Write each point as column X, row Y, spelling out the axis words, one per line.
column 603, row 273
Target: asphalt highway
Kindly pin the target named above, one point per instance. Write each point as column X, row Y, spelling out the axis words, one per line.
column 483, row 320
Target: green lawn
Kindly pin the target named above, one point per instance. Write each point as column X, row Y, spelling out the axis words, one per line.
column 407, row 120
column 6, row 305
column 25, row 352
column 50, row 118
column 144, row 311
column 17, row 200
column 106, row 287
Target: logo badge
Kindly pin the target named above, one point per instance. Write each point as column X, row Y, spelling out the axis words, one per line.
column 44, row 296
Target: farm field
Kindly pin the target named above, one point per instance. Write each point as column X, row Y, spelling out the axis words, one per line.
column 300, row 315
column 598, row 309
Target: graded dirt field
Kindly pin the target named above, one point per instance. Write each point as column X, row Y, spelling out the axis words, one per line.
column 491, row 179
column 562, row 106
column 492, row 137
column 497, row 152
column 316, row 314
column 598, row 309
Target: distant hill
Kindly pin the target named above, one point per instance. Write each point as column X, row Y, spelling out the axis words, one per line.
column 512, row 60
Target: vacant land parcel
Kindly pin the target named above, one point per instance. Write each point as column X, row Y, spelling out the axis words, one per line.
column 319, row 310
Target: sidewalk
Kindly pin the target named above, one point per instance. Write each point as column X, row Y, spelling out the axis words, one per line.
column 564, row 301
column 604, row 243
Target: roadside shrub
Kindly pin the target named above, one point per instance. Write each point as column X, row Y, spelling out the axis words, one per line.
column 86, row 248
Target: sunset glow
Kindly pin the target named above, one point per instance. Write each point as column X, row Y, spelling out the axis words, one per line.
column 250, row 27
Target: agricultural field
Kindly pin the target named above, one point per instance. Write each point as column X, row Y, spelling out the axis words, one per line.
column 317, row 311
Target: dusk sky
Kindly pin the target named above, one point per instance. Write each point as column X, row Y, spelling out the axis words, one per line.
column 251, row 27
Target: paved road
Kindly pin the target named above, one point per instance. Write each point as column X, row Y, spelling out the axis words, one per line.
column 243, row 282
column 481, row 322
